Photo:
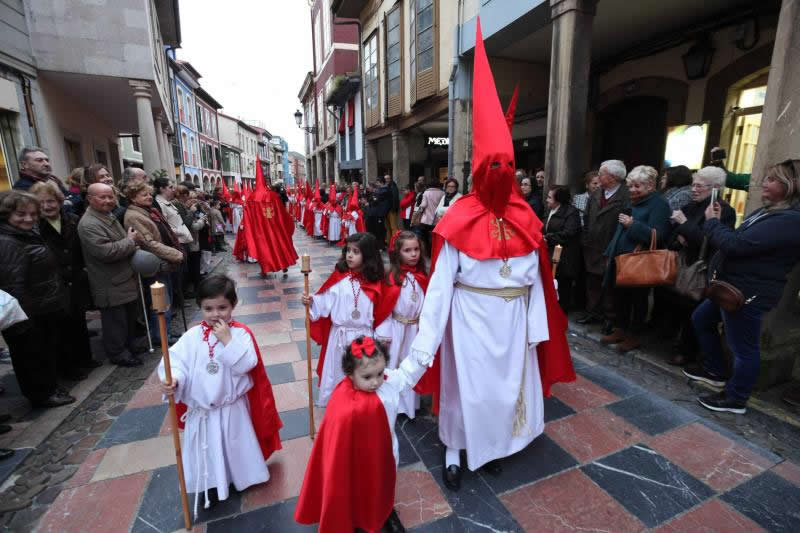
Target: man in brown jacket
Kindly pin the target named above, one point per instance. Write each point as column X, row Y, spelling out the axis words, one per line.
column 600, row 223
column 107, row 250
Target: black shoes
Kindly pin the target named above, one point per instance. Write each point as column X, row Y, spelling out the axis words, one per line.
column 5, row 428
column 607, row 328
column 493, row 467
column 452, row 477
column 57, row 399
column 588, row 318
column 5, row 453
column 393, row 524
column 92, row 364
column 720, row 402
column 75, row 375
column 129, row 361
column 699, row 373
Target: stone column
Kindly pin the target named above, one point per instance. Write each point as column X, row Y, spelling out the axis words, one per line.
column 147, row 130
column 320, row 166
column 570, row 58
column 371, row 159
column 330, row 164
column 400, row 163
column 162, row 149
column 777, row 141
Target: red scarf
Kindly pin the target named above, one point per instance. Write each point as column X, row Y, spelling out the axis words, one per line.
column 351, row 474
column 263, row 413
column 321, row 328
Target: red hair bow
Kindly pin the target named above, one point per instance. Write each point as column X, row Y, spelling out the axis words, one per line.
column 366, row 346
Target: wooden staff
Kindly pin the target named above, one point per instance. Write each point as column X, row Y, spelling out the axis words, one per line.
column 158, row 293
column 305, row 268
column 556, row 258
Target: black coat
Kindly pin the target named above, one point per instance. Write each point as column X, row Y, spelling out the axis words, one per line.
column 564, row 228
column 600, row 224
column 692, row 229
column 395, row 195
column 30, row 271
column 536, row 203
column 66, row 248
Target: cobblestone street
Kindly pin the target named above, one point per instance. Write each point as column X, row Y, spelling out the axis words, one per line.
column 625, row 449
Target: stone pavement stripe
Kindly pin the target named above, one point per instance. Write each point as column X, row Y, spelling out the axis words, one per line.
column 9, row 465
column 527, row 466
column 280, row 373
column 713, row 459
column 271, row 519
column 135, row 424
column 295, row 423
column 408, row 455
column 738, row 439
column 788, row 471
column 259, row 318
column 254, row 309
column 611, row 381
column 648, row 485
column 555, row 409
column 298, row 323
column 293, row 290
column 149, row 394
column 280, row 353
column 272, row 339
column 316, row 349
column 712, row 516
column 98, row 507
column 582, row 394
column 592, row 433
column 423, row 434
column 134, row 457
column 652, row 414
column 768, row 500
column 286, row 472
column 87, row 469
column 263, row 330
column 292, row 395
column 418, row 499
column 450, row 524
column 569, row 501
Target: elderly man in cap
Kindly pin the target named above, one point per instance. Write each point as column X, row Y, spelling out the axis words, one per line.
column 107, row 250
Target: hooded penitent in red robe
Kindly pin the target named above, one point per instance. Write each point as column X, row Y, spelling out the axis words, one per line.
column 263, row 413
column 321, row 328
column 308, row 215
column 351, row 474
column 268, row 228
column 496, row 206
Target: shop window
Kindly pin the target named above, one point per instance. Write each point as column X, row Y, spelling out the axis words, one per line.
column 8, row 150
column 394, row 63
column 135, row 143
column 371, row 82
column 422, row 49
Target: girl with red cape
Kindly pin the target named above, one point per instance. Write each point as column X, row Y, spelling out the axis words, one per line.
column 491, row 307
column 403, row 294
column 350, row 477
column 225, row 398
column 344, row 307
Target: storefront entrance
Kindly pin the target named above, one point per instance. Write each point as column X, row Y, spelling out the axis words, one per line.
column 633, row 130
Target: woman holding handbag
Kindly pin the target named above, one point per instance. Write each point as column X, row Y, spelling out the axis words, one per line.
column 649, row 212
column 675, row 309
column 749, row 274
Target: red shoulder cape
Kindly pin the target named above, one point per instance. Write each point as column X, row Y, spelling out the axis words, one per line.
column 263, row 413
column 555, row 361
column 390, row 293
column 268, row 230
column 351, row 474
column 321, row 328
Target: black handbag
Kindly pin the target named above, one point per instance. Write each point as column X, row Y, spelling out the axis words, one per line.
column 692, row 280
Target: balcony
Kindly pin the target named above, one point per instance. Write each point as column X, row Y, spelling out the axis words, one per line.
column 349, row 8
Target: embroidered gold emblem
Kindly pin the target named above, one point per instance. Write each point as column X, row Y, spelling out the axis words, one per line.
column 507, row 234
column 268, row 212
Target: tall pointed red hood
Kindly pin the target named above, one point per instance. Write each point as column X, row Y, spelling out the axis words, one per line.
column 352, row 203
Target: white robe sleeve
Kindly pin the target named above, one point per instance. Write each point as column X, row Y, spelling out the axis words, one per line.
column 537, row 313
column 179, row 366
column 407, row 374
column 438, row 297
column 321, row 304
column 239, row 355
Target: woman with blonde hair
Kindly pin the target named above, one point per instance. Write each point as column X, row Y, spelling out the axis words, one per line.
column 74, row 198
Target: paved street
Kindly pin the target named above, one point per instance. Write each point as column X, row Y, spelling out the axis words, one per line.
column 614, row 457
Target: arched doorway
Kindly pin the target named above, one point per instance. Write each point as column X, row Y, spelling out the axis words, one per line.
column 633, row 130
column 205, row 183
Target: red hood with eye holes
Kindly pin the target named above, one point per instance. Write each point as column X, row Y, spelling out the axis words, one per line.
column 493, row 221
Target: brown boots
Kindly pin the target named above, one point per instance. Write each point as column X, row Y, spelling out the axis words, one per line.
column 627, row 341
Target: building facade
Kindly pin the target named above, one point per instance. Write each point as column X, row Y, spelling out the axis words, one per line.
column 248, row 137
column 208, row 136
column 297, row 167
column 184, row 109
column 67, row 84
column 229, row 148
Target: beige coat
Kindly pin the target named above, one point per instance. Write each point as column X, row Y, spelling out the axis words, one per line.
column 140, row 220
column 107, row 251
column 173, row 218
column 430, row 200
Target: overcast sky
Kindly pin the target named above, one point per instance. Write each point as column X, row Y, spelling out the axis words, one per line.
column 253, row 56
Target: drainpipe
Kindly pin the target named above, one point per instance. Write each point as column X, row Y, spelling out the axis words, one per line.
column 28, row 97
column 451, row 112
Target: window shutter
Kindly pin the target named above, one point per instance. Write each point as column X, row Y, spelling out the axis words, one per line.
column 393, row 22
column 412, row 49
column 427, row 48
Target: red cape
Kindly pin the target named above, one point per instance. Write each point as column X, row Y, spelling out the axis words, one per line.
column 263, row 413
column 351, row 474
column 391, row 292
column 555, row 361
column 268, row 229
column 321, row 328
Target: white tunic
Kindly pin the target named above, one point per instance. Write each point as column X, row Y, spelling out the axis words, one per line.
column 337, row 303
column 237, row 217
column 317, row 223
column 484, row 356
column 351, row 224
column 399, row 381
column 219, row 440
column 334, row 227
column 402, row 335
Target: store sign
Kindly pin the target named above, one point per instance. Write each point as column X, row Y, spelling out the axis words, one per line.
column 437, row 141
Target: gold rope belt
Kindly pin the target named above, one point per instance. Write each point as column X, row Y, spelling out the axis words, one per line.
column 405, row 320
column 507, row 293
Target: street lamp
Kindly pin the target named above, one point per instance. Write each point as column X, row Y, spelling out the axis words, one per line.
column 298, row 117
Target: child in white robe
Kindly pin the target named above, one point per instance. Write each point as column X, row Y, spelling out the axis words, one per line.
column 342, row 309
column 211, row 375
column 406, row 283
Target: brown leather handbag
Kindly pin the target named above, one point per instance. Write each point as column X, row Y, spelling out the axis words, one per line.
column 692, row 279
column 726, row 296
column 647, row 268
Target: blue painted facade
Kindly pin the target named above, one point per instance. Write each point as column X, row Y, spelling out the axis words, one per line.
column 285, row 162
column 184, row 114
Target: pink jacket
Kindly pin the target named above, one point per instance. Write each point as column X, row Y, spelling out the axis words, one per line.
column 430, row 199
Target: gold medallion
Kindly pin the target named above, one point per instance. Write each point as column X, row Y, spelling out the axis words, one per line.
column 505, row 270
